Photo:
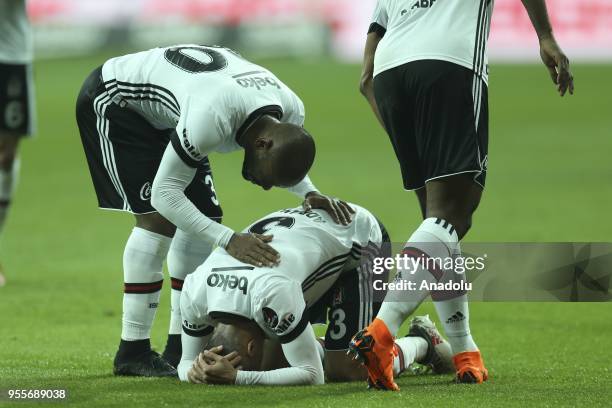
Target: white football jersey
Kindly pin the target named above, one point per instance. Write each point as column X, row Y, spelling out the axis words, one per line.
column 208, row 94
column 314, row 251
column 450, row 30
column 15, row 33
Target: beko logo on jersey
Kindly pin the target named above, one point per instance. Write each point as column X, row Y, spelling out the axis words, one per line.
column 219, row 280
column 257, row 82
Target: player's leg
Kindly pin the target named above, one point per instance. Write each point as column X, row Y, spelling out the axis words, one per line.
column 396, row 99
column 453, row 200
column 187, row 252
column 9, row 172
column 16, row 121
column 454, row 154
column 123, row 154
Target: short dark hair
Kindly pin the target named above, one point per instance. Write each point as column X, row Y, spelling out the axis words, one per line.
column 233, row 337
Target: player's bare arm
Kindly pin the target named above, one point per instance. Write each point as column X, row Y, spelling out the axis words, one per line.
column 554, row 58
column 366, row 85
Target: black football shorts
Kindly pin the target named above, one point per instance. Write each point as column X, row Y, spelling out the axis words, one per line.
column 436, row 115
column 124, row 151
column 17, row 112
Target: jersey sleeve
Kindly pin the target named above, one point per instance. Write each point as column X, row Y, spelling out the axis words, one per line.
column 282, row 310
column 193, row 324
column 201, row 128
column 296, row 113
column 380, row 19
column 306, row 367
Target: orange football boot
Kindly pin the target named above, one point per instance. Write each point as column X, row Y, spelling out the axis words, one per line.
column 374, row 347
column 470, row 368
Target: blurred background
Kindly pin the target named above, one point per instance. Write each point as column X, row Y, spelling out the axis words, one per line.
column 298, row 28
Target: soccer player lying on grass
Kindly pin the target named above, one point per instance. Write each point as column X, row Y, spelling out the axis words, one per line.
column 233, row 309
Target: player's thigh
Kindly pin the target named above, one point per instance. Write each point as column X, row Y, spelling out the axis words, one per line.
column 156, row 223
column 395, row 101
column 16, row 99
column 451, row 120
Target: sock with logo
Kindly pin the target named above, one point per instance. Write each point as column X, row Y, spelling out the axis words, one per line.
column 143, row 260
column 408, row 350
column 453, row 311
column 8, row 182
column 434, row 239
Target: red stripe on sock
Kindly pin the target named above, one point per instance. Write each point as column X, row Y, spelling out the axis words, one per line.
column 177, row 284
column 142, row 287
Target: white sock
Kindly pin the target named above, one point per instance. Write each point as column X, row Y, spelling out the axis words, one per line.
column 143, row 260
column 435, row 238
column 409, row 350
column 8, row 182
column 454, row 313
column 187, row 252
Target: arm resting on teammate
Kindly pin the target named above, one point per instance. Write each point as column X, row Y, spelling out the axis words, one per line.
column 339, row 210
column 306, row 367
column 366, row 85
column 553, row 57
column 168, row 197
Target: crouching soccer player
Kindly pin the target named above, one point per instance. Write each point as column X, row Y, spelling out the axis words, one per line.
column 148, row 122
column 236, row 311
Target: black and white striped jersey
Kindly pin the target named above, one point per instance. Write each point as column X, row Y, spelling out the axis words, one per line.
column 16, row 46
column 208, row 94
column 450, row 30
column 314, row 251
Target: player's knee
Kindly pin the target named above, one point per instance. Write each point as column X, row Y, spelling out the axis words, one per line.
column 154, row 222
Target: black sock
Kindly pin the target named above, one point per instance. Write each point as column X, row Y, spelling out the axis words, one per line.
column 130, row 349
column 173, row 346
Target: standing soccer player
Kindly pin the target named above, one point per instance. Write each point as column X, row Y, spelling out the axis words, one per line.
column 16, row 97
column 425, row 76
column 148, row 122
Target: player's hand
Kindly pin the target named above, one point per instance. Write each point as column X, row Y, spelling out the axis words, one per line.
column 219, row 369
column 253, row 249
column 196, row 374
column 339, row 210
column 557, row 64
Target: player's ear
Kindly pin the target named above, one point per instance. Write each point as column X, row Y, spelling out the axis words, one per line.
column 252, row 348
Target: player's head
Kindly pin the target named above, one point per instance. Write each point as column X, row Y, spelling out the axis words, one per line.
column 244, row 337
column 280, row 156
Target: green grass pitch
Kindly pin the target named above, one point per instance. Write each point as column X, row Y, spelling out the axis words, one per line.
column 549, row 180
